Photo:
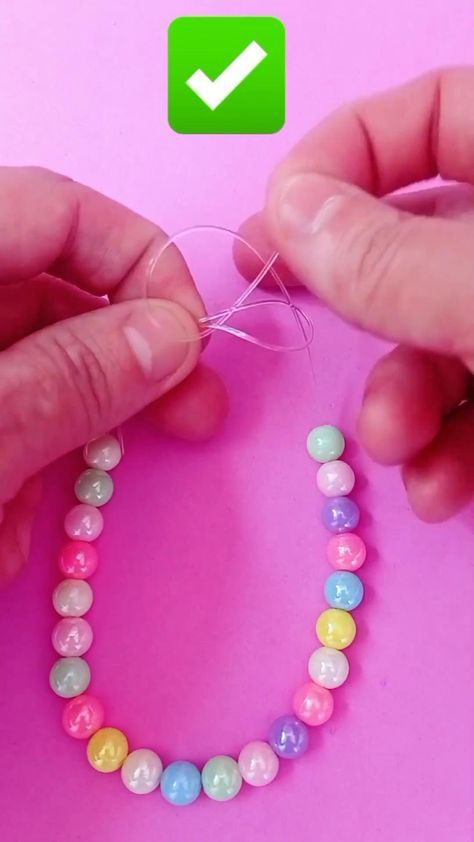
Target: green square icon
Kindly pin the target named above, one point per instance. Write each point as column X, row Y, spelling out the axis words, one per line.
column 226, row 75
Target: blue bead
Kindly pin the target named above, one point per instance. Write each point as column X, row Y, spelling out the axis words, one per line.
column 288, row 737
column 343, row 589
column 180, row 783
column 340, row 514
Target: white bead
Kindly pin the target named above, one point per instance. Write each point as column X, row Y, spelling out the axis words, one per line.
column 335, row 479
column 72, row 597
column 141, row 771
column 104, row 453
column 328, row 667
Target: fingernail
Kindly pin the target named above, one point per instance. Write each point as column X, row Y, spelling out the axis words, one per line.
column 159, row 338
column 307, row 202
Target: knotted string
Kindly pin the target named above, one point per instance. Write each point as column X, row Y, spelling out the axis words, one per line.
column 220, row 321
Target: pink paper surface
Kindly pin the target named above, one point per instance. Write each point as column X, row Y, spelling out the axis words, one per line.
column 213, row 559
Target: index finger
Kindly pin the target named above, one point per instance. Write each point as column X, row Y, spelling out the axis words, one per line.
column 411, row 133
column 49, row 223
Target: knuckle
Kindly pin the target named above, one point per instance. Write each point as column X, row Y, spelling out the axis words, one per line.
column 80, row 373
column 371, row 255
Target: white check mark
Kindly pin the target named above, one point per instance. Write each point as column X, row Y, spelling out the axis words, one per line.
column 212, row 93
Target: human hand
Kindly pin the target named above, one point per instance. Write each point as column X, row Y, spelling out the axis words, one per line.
column 401, row 267
column 72, row 367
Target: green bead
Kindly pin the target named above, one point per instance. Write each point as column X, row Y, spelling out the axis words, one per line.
column 221, row 778
column 94, row 486
column 325, row 443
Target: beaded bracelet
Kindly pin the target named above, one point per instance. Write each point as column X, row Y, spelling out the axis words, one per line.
column 221, row 777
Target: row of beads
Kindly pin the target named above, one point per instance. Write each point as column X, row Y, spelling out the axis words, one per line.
column 221, row 777
column 328, row 666
column 346, row 552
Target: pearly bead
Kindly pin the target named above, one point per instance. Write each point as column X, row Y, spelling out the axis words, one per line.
column 84, row 523
column 94, row 487
column 72, row 636
column 221, row 778
column 72, row 597
column 328, row 667
column 258, row 763
column 104, row 453
column 325, row 443
column 340, row 514
column 313, row 704
column 83, row 716
column 107, row 749
column 335, row 478
column 343, row 589
column 289, row 737
column 78, row 560
column 346, row 551
column 69, row 677
column 336, row 628
column 141, row 771
column 180, row 783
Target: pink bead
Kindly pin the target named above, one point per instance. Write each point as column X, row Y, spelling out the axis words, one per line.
column 72, row 636
column 335, row 479
column 78, row 560
column 313, row 704
column 83, row 716
column 258, row 763
column 346, row 551
column 84, row 522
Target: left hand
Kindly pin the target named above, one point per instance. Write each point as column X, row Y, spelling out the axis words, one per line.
column 72, row 365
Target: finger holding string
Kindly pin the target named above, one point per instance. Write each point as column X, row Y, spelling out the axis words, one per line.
column 399, row 266
column 72, row 380
column 75, row 379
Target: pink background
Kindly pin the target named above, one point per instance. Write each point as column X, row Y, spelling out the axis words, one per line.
column 212, row 563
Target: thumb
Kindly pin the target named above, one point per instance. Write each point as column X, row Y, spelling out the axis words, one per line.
column 78, row 378
column 406, row 277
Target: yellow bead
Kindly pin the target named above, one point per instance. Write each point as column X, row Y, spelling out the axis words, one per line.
column 336, row 628
column 107, row 749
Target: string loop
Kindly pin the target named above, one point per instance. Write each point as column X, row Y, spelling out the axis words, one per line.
column 220, row 321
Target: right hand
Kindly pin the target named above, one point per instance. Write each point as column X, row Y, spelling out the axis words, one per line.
column 401, row 267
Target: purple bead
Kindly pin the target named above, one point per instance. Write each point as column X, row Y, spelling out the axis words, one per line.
column 288, row 737
column 340, row 514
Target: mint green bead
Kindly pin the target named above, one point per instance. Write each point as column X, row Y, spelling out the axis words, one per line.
column 221, row 778
column 325, row 443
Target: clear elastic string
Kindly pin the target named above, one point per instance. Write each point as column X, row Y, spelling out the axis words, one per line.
column 220, row 321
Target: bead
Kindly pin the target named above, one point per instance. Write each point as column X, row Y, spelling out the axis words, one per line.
column 83, row 716
column 258, row 763
column 94, row 487
column 340, row 514
column 346, row 551
column 84, row 523
column 107, row 749
column 336, row 628
column 335, row 478
column 221, row 778
column 104, row 453
column 181, row 783
column 288, row 737
column 141, row 771
column 69, row 677
column 328, row 667
column 325, row 443
column 78, row 560
column 343, row 589
column 72, row 597
column 72, row 636
column 313, row 704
